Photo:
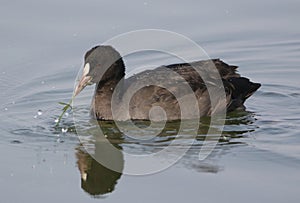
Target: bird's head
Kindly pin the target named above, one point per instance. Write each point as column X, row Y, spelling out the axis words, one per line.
column 101, row 64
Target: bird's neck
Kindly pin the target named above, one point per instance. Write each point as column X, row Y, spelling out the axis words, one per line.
column 106, row 93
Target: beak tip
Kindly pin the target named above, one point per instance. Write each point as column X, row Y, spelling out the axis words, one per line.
column 81, row 85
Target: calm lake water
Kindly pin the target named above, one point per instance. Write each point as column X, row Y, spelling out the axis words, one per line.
column 42, row 48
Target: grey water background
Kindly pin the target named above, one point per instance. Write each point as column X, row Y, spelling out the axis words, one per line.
column 42, row 48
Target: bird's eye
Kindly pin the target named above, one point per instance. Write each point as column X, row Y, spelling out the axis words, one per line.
column 86, row 69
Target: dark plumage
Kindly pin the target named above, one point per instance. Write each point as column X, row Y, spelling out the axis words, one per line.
column 162, row 87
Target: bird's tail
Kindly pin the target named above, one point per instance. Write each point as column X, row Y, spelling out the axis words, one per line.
column 240, row 89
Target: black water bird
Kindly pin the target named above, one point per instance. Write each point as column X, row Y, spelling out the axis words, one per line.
column 163, row 87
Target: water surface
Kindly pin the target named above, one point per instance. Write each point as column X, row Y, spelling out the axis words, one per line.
column 42, row 48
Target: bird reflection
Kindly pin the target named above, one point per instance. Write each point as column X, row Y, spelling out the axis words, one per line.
column 98, row 180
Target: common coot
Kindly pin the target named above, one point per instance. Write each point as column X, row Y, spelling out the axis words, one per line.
column 162, row 88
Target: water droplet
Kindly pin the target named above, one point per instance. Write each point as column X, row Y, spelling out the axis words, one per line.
column 224, row 138
column 56, row 120
column 64, row 130
column 66, row 114
column 105, row 136
column 40, row 112
column 35, row 116
column 5, row 109
column 111, row 89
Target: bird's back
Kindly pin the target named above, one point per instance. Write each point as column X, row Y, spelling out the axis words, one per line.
column 165, row 85
column 159, row 94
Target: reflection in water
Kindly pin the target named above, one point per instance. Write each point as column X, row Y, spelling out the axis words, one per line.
column 98, row 180
column 238, row 125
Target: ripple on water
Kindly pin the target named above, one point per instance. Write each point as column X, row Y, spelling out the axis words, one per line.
column 273, row 94
column 238, row 126
column 16, row 142
column 295, row 94
column 42, row 103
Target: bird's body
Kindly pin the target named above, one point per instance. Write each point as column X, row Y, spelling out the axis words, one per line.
column 165, row 93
